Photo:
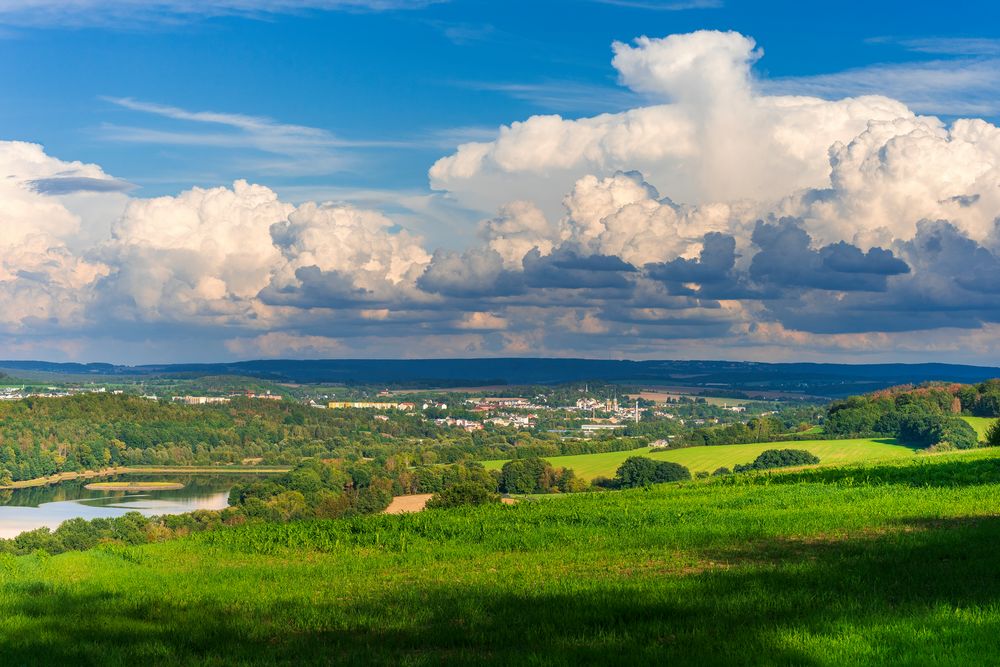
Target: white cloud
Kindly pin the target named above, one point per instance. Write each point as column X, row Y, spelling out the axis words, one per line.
column 122, row 13
column 954, row 46
column 896, row 173
column 360, row 243
column 42, row 275
column 954, row 87
column 519, row 227
column 204, row 253
column 717, row 138
column 583, row 255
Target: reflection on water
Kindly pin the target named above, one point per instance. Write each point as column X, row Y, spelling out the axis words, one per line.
column 27, row 509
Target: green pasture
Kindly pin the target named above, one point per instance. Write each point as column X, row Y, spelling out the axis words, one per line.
column 708, row 459
column 891, row 563
column 981, row 424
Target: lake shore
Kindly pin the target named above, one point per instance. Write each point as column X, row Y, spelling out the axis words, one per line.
column 143, row 470
column 134, row 486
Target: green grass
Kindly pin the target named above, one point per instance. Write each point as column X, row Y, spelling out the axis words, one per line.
column 981, row 424
column 868, row 564
column 708, row 459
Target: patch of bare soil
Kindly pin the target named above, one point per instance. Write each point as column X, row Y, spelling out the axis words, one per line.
column 404, row 504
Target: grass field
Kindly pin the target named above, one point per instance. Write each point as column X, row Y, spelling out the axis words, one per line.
column 981, row 424
column 708, row 459
column 878, row 564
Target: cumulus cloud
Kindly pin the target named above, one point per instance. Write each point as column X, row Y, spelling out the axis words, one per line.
column 721, row 222
column 785, row 259
column 43, row 271
column 715, row 137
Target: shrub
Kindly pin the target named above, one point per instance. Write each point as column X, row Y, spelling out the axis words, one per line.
column 602, row 482
column 993, row 435
column 721, row 471
column 668, row 471
column 779, row 458
column 464, row 493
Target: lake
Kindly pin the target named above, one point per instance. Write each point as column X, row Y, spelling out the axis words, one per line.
column 31, row 508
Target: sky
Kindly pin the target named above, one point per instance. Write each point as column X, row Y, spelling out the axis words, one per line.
column 714, row 179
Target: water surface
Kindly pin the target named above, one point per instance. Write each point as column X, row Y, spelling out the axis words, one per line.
column 35, row 507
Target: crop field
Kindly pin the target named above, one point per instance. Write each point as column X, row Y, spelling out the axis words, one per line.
column 708, row 459
column 868, row 564
column 981, row 424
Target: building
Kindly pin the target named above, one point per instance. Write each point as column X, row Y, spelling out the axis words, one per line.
column 369, row 405
column 504, row 402
column 268, row 396
column 200, row 400
column 587, row 428
column 466, row 424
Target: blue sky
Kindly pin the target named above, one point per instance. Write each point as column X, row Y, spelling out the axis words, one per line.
column 418, row 80
column 188, row 181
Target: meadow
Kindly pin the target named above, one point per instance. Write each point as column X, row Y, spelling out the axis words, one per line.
column 708, row 459
column 890, row 563
column 981, row 425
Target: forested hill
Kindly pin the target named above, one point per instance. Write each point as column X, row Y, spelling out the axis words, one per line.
column 927, row 416
column 807, row 378
column 44, row 436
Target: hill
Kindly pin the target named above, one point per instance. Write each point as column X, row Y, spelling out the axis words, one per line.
column 800, row 378
column 886, row 564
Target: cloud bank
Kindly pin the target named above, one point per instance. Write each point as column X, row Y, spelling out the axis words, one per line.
column 719, row 222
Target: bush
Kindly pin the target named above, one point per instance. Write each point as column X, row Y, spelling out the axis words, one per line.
column 993, row 435
column 464, row 493
column 668, row 471
column 602, row 482
column 779, row 458
column 721, row 471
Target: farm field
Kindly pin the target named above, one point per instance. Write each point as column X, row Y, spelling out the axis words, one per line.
column 708, row 459
column 891, row 563
column 981, row 424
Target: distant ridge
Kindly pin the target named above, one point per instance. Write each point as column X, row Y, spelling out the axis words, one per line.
column 808, row 378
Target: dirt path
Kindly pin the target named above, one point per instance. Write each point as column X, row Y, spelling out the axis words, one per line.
column 404, row 504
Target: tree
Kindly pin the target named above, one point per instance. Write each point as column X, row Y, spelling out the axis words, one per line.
column 636, row 471
column 641, row 471
column 6, row 478
column 531, row 475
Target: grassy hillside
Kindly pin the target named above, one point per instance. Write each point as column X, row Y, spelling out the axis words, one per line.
column 887, row 564
column 589, row 466
column 981, row 424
